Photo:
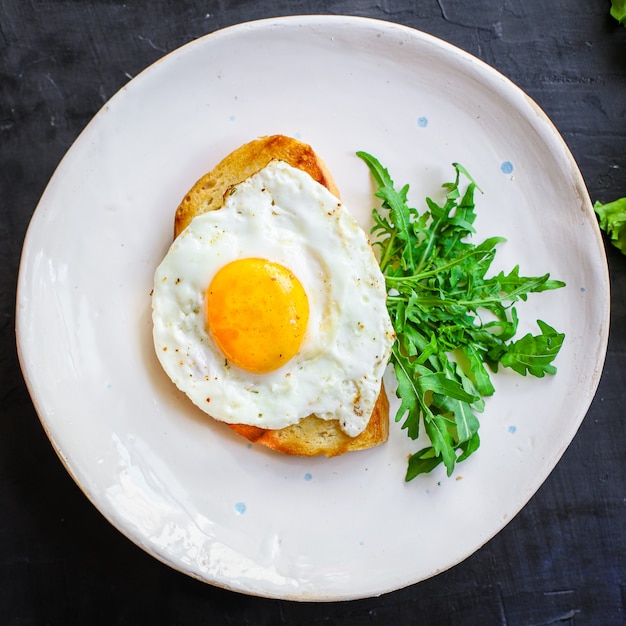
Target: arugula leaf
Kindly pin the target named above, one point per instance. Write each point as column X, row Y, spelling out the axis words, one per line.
column 613, row 218
column 534, row 355
column 453, row 322
column 618, row 10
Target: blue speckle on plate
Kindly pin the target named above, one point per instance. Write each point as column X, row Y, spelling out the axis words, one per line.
column 512, row 429
column 240, row 508
column 506, row 167
column 308, row 476
column 582, row 289
column 232, row 118
column 422, row 122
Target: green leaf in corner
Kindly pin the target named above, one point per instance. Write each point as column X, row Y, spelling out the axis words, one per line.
column 613, row 217
column 618, row 11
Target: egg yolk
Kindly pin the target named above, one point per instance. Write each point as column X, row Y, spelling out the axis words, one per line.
column 257, row 312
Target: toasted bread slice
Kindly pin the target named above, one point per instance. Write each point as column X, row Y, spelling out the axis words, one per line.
column 312, row 435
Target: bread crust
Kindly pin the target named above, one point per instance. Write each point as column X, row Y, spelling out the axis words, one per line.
column 208, row 192
column 311, row 436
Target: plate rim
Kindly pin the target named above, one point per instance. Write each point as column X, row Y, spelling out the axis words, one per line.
column 291, row 22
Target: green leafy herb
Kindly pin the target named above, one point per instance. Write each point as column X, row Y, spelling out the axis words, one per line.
column 618, row 10
column 613, row 221
column 453, row 323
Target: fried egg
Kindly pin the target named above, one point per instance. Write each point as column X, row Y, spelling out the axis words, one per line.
column 273, row 307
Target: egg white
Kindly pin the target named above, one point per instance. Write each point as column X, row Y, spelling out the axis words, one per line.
column 280, row 214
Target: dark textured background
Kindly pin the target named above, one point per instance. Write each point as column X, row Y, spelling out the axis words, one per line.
column 562, row 560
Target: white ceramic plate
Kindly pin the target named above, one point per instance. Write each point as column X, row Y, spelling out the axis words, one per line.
column 187, row 490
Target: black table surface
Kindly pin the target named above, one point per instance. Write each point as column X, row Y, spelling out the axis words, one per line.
column 561, row 560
